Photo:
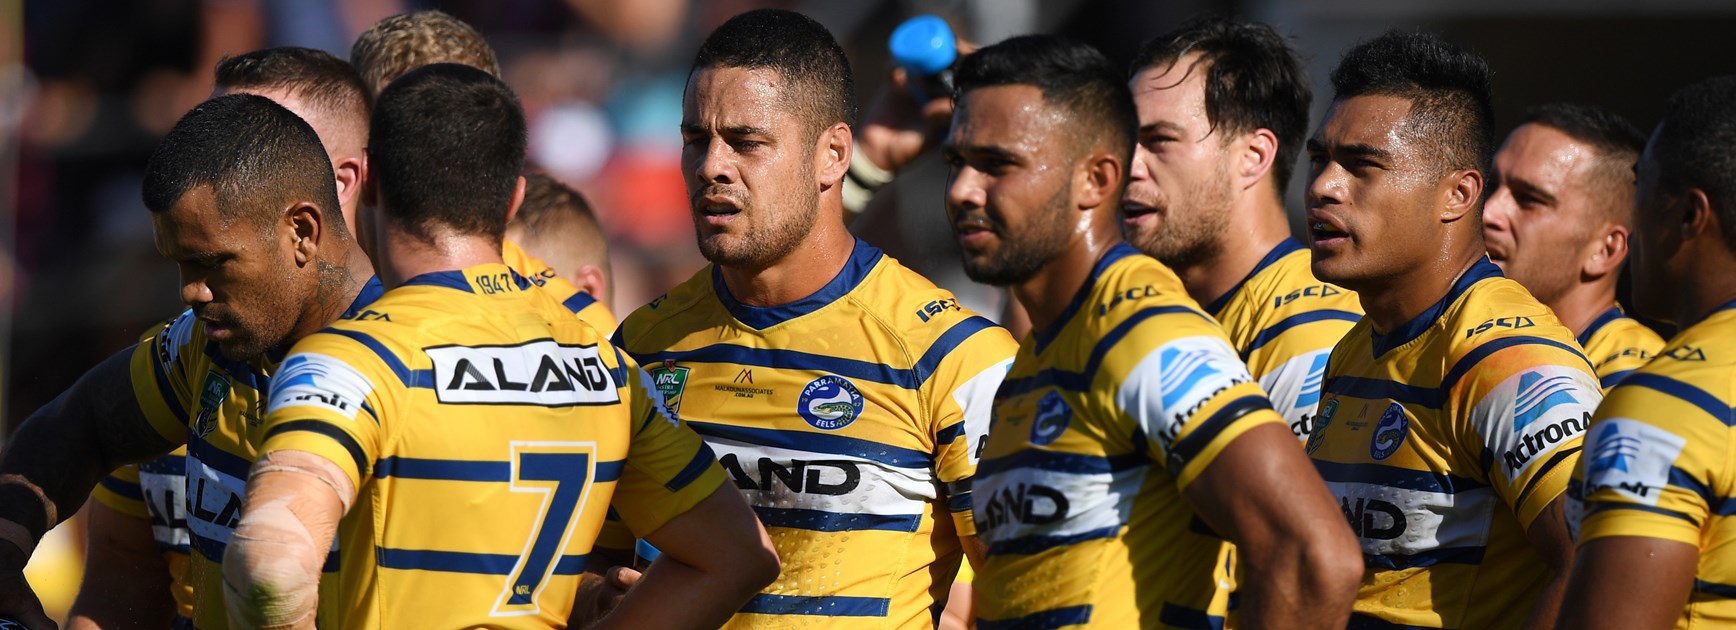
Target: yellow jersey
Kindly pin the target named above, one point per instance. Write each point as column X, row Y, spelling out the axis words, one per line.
column 1659, row 462
column 539, row 273
column 486, row 431
column 1104, row 419
column 1443, row 440
column 849, row 419
column 191, row 393
column 155, row 492
column 1283, row 322
column 1617, row 345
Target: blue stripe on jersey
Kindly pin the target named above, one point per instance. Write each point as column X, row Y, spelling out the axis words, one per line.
column 165, row 465
column 469, row 470
column 1061, row 462
column 959, row 501
column 371, row 290
column 783, row 359
column 1379, row 388
column 1686, row 393
column 333, row 433
column 1602, row 506
column 701, row 462
column 459, row 562
column 1116, row 253
column 1432, row 557
column 1394, row 477
column 1681, row 479
column 1284, row 325
column 242, row 373
column 1603, row 319
column 1052, row 618
column 819, row 521
column 862, row 260
column 224, row 461
column 1480, row 270
column 1476, row 355
column 944, row 345
column 1183, row 617
column 126, row 489
column 1081, row 381
column 950, row 434
column 1032, row 545
column 1359, row 621
column 1184, row 450
column 1613, row 379
column 456, row 280
column 164, row 389
column 1715, row 589
column 1282, row 249
column 825, row 606
column 379, row 349
column 579, row 301
column 817, row 443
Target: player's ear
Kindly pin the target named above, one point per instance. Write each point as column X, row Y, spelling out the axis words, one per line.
column 349, row 172
column 517, row 199
column 1098, row 180
column 304, row 222
column 1698, row 218
column 1464, row 194
column 832, row 155
column 592, row 280
column 1259, row 151
column 370, row 192
column 1608, row 250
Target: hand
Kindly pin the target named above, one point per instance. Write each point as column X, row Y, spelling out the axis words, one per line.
column 898, row 128
column 599, row 594
column 19, row 603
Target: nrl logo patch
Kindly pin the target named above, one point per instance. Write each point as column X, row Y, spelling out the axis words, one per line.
column 671, row 381
column 1324, row 418
column 212, row 393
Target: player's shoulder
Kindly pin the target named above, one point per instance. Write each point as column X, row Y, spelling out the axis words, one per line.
column 680, row 304
column 912, row 308
column 1289, row 286
column 1129, row 289
column 1496, row 313
column 174, row 338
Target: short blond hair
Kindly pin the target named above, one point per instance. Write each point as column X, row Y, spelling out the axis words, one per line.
column 401, row 43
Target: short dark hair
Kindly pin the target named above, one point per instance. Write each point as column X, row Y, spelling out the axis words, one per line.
column 252, row 152
column 1694, row 146
column 1072, row 76
column 799, row 49
column 1450, row 90
column 447, row 144
column 1253, row 80
column 315, row 76
column 1604, row 130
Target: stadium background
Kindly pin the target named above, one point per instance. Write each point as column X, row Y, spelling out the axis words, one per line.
column 87, row 87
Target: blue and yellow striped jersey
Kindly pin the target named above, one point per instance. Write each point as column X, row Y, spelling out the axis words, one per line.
column 1659, row 462
column 1617, row 345
column 579, row 302
column 1283, row 322
column 850, row 419
column 191, row 393
column 155, row 492
column 487, row 431
column 1103, row 420
column 1443, row 440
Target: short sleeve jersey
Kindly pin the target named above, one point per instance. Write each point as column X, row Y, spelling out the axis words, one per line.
column 487, row 431
column 1617, row 345
column 1660, row 462
column 581, row 303
column 850, row 420
column 1105, row 418
column 1443, row 440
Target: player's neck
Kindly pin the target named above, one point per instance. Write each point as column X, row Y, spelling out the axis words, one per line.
column 1583, row 303
column 405, row 255
column 815, row 261
column 1255, row 227
column 1707, row 288
column 1398, row 299
column 1047, row 294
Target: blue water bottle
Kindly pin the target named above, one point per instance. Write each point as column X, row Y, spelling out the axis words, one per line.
column 925, row 47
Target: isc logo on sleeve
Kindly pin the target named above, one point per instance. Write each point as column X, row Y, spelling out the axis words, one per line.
column 541, row 373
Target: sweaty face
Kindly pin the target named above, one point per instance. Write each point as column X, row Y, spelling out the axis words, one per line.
column 1538, row 223
column 750, row 166
column 1010, row 184
column 1655, row 243
column 1179, row 189
column 240, row 279
column 1373, row 195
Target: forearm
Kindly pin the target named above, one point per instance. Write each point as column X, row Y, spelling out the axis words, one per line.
column 1293, row 588
column 271, row 569
column 126, row 579
column 708, row 599
column 1548, row 605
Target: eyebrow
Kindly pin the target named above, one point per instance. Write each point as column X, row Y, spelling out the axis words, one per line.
column 980, row 150
column 1163, row 125
column 1519, row 184
column 1351, row 150
column 734, row 130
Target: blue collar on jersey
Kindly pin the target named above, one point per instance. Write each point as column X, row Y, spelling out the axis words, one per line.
column 1284, row 248
column 862, row 260
column 1614, row 313
column 1481, row 270
column 1118, row 252
column 455, row 279
column 1721, row 308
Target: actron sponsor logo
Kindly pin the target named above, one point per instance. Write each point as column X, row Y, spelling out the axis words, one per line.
column 1542, row 440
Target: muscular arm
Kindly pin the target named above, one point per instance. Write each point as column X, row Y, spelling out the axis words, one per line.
column 271, row 569
column 1548, row 535
column 1629, row 582
column 126, row 579
column 1303, row 564
column 715, row 557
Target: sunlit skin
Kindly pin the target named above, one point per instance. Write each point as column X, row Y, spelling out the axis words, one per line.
column 1383, row 221
column 1676, row 242
column 1200, row 199
column 1547, row 222
column 765, row 192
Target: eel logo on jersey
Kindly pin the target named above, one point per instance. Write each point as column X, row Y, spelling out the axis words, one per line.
column 1322, row 419
column 671, row 381
column 1182, row 370
column 1538, row 394
column 829, row 403
column 1053, row 416
column 1389, row 433
column 212, row 393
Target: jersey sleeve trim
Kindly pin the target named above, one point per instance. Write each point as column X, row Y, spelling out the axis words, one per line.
column 1468, row 362
column 1604, row 506
column 1537, row 477
column 1686, row 393
column 335, row 434
column 1284, row 325
column 123, row 489
column 696, row 467
column 948, row 341
column 418, row 378
column 1191, row 446
column 958, row 495
column 1610, row 380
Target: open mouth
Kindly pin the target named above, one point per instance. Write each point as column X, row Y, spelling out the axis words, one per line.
column 1324, row 231
column 1134, row 212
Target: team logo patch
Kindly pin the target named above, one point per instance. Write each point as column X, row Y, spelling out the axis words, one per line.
column 212, row 393
column 1389, row 433
column 671, row 381
column 1538, row 394
column 1320, row 421
column 1053, row 416
column 829, row 403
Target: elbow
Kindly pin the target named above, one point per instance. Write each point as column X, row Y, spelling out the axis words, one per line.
column 762, row 566
column 267, row 588
column 1333, row 561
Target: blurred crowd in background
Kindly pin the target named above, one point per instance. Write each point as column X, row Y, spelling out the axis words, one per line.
column 88, row 86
